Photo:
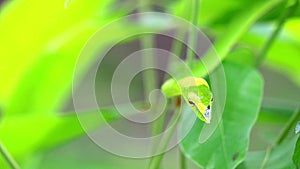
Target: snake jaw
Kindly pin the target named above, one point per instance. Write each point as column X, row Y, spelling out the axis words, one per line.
column 207, row 114
column 202, row 111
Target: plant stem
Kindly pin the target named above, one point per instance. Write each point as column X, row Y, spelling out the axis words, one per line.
column 286, row 14
column 288, row 127
column 182, row 160
column 282, row 136
column 176, row 49
column 8, row 158
column 192, row 37
column 149, row 76
column 155, row 161
column 150, row 80
column 266, row 158
column 177, row 46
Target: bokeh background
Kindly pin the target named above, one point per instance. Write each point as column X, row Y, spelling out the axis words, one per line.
column 40, row 42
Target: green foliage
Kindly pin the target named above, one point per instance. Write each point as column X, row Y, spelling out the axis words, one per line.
column 41, row 130
column 40, row 42
column 38, row 75
column 215, row 13
column 283, row 55
column 296, row 155
column 227, row 147
column 235, row 29
column 276, row 157
column 47, row 51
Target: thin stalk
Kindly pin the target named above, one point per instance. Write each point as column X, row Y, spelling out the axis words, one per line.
column 282, row 136
column 8, row 158
column 288, row 127
column 177, row 49
column 177, row 46
column 286, row 14
column 267, row 156
column 261, row 57
column 155, row 161
column 182, row 160
column 150, row 78
column 158, row 125
column 192, row 38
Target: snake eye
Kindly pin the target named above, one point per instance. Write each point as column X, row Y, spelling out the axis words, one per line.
column 191, row 103
column 208, row 107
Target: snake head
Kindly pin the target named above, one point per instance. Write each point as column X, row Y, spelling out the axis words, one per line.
column 199, row 108
column 197, row 94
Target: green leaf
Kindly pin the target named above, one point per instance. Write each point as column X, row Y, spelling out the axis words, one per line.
column 31, row 25
column 277, row 157
column 296, row 156
column 287, row 45
column 236, row 28
column 213, row 15
column 38, row 76
column 23, row 135
column 228, row 145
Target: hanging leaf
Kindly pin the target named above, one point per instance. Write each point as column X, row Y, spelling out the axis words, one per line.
column 227, row 147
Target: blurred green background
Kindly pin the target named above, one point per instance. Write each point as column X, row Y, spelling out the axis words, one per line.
column 40, row 42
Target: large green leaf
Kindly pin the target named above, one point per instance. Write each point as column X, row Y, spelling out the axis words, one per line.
column 23, row 135
column 228, row 145
column 26, row 27
column 38, row 75
column 277, row 157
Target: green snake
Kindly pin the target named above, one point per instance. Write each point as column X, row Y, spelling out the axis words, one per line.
column 196, row 93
